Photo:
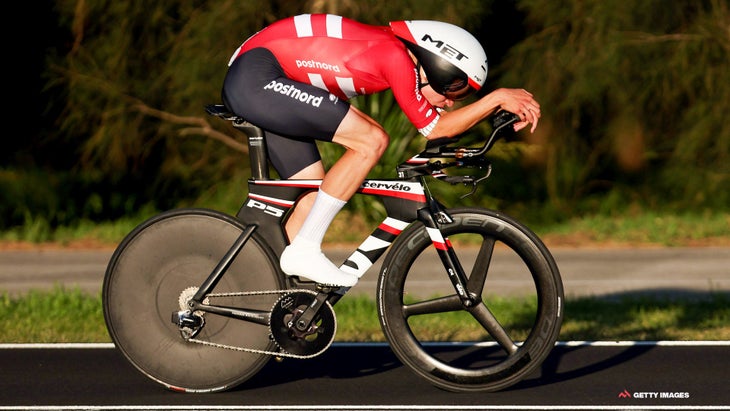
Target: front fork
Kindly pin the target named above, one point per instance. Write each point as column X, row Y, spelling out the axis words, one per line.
column 431, row 217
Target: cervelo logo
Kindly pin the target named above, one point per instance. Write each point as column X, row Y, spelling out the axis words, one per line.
column 386, row 186
column 318, row 65
column 293, row 92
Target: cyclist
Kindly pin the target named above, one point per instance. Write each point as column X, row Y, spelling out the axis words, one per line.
column 294, row 77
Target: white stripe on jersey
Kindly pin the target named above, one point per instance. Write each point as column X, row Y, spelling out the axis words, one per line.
column 303, row 24
column 304, row 28
column 347, row 85
column 316, row 80
column 334, row 26
column 425, row 131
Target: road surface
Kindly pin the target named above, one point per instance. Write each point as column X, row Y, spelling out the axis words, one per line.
column 599, row 272
column 368, row 376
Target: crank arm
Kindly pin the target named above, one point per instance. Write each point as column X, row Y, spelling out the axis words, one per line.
column 303, row 321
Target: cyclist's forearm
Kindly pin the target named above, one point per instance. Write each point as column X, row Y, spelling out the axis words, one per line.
column 453, row 123
column 518, row 101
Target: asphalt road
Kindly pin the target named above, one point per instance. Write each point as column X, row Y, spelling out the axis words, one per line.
column 575, row 376
column 600, row 272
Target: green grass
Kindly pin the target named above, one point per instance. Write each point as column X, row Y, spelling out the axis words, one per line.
column 63, row 315
column 59, row 315
column 646, row 227
column 72, row 316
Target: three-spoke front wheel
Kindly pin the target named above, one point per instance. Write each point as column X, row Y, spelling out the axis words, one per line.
column 493, row 344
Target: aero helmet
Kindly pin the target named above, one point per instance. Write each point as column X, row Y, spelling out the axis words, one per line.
column 453, row 60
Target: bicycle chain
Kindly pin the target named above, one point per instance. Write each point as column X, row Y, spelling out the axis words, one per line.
column 253, row 350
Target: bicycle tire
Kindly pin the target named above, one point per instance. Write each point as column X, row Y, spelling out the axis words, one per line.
column 145, row 278
column 477, row 360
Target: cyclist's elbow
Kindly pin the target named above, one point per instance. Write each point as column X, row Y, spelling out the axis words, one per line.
column 452, row 124
column 443, row 132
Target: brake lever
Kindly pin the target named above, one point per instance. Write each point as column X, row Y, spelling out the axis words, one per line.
column 477, row 181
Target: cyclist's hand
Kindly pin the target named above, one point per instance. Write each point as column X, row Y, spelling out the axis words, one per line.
column 522, row 103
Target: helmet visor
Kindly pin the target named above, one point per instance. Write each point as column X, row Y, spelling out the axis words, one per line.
column 458, row 89
column 453, row 87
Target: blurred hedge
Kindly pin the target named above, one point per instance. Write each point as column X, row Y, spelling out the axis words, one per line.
column 634, row 97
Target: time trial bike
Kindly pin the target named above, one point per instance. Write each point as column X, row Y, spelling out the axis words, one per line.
column 195, row 298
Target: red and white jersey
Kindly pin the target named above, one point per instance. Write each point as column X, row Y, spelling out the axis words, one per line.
column 346, row 58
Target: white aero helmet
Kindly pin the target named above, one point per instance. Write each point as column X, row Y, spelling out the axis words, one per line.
column 454, row 61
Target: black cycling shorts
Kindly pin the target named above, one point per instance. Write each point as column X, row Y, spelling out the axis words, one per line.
column 292, row 114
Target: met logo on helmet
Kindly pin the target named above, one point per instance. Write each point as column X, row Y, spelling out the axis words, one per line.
column 445, row 49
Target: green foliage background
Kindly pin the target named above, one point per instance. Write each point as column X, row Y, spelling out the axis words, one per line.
column 634, row 97
column 634, row 94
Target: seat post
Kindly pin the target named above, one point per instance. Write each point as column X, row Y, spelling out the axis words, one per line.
column 256, row 150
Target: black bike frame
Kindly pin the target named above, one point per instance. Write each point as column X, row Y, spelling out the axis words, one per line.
column 405, row 201
column 269, row 202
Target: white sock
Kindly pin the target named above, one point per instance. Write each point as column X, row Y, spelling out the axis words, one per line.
column 304, row 256
column 315, row 226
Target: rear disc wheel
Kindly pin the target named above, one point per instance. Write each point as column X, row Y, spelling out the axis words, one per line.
column 156, row 266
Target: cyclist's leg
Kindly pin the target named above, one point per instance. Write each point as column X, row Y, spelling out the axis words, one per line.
column 343, row 136
column 253, row 85
column 315, row 170
column 365, row 142
column 316, row 209
column 296, row 158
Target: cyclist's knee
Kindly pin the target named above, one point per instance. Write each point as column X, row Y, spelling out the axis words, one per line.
column 378, row 142
column 371, row 145
column 358, row 132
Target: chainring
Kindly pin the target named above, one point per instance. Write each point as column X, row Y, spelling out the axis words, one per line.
column 311, row 342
